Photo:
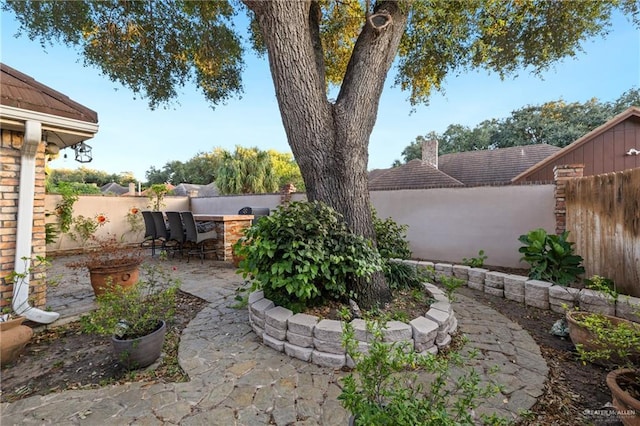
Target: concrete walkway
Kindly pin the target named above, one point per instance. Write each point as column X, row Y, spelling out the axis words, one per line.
column 237, row 381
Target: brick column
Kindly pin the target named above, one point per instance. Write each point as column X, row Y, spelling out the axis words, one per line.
column 561, row 174
column 285, row 193
column 10, row 154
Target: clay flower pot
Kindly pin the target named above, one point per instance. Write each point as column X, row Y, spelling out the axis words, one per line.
column 582, row 335
column 13, row 338
column 624, row 383
column 110, row 276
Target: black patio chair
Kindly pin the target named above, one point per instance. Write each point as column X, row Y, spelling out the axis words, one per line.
column 196, row 239
column 149, row 232
column 177, row 233
column 162, row 233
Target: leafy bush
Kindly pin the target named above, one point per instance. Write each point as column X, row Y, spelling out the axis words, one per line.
column 551, row 257
column 392, row 243
column 475, row 262
column 386, row 389
column 304, row 253
column 391, row 238
column 602, row 284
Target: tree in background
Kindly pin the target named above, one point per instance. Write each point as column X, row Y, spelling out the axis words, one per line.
column 555, row 123
column 88, row 177
column 246, row 171
column 286, row 169
column 155, row 47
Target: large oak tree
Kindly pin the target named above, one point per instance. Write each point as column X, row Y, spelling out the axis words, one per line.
column 154, row 47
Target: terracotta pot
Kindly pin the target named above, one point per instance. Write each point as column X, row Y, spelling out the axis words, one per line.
column 13, row 338
column 581, row 335
column 109, row 276
column 140, row 352
column 628, row 407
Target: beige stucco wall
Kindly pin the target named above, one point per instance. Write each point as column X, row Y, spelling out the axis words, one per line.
column 445, row 224
column 231, row 204
column 449, row 224
column 115, row 208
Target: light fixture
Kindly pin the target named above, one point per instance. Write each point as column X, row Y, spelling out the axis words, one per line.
column 83, row 152
column 632, row 151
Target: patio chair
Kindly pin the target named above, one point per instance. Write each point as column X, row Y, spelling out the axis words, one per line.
column 176, row 232
column 149, row 232
column 162, row 233
column 196, row 239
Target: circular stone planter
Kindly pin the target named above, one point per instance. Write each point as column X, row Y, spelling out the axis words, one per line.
column 311, row 339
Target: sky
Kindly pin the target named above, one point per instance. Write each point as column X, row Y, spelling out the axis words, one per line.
column 133, row 138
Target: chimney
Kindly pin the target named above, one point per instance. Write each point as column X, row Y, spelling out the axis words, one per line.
column 430, row 152
column 132, row 188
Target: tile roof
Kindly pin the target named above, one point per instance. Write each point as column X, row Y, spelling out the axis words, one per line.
column 491, row 167
column 114, row 188
column 18, row 90
column 415, row 174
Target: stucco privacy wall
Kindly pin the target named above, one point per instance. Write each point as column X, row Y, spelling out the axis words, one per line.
column 10, row 155
column 115, row 208
column 449, row 224
column 230, row 204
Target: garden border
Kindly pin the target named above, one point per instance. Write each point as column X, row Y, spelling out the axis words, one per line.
column 319, row 341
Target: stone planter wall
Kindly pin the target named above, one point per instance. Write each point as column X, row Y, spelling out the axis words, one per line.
column 319, row 341
column 540, row 294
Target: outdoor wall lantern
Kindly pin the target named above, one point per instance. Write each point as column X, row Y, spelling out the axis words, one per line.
column 83, row 152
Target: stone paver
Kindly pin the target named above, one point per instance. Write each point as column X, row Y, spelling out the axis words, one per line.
column 237, row 380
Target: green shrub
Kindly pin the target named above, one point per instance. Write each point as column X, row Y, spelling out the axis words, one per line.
column 602, row 284
column 551, row 257
column 303, row 254
column 386, row 389
column 475, row 262
column 391, row 238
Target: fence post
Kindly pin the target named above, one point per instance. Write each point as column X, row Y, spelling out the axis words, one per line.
column 561, row 174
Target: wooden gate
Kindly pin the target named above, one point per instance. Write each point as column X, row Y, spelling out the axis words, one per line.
column 603, row 218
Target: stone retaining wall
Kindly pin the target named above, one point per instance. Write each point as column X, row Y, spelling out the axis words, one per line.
column 540, row 294
column 319, row 341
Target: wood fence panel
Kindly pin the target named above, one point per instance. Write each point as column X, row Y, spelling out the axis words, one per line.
column 603, row 218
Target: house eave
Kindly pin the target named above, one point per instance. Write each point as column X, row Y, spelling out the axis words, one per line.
column 62, row 131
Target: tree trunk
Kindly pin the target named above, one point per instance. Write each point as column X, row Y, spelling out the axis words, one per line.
column 330, row 140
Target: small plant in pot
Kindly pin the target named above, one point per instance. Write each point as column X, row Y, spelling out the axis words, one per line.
column 110, row 263
column 613, row 342
column 136, row 319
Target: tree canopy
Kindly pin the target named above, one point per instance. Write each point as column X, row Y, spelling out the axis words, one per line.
column 156, row 46
column 555, row 123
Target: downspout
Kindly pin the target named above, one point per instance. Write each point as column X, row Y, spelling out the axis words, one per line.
column 20, row 301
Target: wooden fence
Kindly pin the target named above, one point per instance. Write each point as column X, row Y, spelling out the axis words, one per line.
column 603, row 218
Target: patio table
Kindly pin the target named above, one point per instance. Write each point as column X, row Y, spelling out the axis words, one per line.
column 229, row 228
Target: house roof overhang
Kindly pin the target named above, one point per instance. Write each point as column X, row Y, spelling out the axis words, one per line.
column 625, row 115
column 61, row 131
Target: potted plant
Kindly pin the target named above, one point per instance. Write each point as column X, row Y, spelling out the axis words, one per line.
column 110, row 263
column 613, row 342
column 136, row 319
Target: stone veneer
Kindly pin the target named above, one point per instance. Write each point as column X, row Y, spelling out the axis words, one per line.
column 319, row 341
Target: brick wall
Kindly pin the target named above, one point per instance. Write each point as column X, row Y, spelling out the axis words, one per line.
column 10, row 145
column 561, row 174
